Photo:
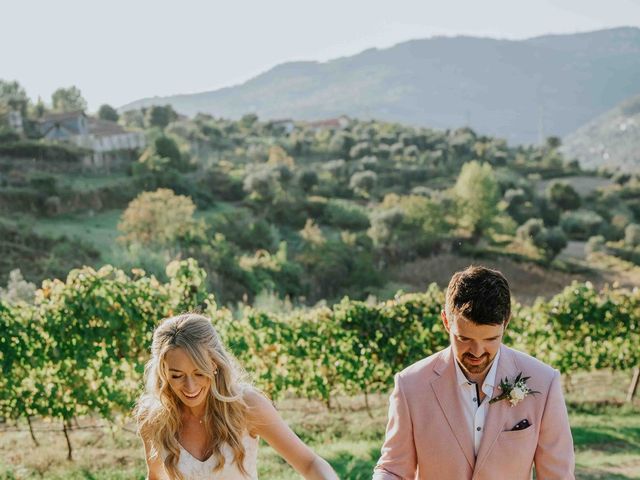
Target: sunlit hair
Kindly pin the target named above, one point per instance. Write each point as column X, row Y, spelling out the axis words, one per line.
column 158, row 410
column 480, row 295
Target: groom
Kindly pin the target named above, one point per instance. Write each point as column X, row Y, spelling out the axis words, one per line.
column 443, row 423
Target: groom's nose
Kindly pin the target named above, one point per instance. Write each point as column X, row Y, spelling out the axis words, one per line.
column 476, row 350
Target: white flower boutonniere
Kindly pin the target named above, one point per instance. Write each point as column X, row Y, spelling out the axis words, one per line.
column 515, row 391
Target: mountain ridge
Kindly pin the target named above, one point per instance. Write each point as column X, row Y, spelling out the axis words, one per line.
column 517, row 89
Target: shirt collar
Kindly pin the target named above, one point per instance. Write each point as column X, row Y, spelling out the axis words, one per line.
column 490, row 379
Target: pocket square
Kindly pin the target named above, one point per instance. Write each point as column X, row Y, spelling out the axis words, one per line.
column 521, row 425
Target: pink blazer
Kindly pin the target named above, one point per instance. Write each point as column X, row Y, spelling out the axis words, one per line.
column 427, row 438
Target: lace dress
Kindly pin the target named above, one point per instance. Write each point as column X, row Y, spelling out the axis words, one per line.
column 193, row 469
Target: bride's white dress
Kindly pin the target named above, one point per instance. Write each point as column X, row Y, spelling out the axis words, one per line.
column 193, row 469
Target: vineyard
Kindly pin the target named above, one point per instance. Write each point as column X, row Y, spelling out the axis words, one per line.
column 80, row 348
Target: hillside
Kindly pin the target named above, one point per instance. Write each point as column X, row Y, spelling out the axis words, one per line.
column 612, row 140
column 513, row 89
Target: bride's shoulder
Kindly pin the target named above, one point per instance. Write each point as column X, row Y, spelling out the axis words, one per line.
column 260, row 410
column 254, row 398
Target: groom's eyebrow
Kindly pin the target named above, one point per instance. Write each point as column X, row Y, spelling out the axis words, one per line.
column 462, row 337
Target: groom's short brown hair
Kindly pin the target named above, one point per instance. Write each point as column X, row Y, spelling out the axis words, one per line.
column 479, row 294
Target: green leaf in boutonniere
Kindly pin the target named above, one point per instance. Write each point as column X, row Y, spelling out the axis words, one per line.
column 514, row 391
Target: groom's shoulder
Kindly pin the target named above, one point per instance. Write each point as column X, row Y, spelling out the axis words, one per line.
column 531, row 364
column 424, row 367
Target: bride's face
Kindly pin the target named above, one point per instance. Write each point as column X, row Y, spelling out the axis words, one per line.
column 185, row 379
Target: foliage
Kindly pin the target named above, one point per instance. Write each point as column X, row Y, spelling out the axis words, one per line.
column 632, row 235
column 476, row 192
column 81, row 348
column 18, row 289
column 160, row 218
column 68, row 100
column 581, row 224
column 407, row 226
column 563, row 195
column 363, row 182
column 48, row 151
column 13, row 95
column 107, row 112
column 550, row 241
column 159, row 116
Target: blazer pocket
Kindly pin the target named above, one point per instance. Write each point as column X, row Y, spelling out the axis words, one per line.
column 508, row 435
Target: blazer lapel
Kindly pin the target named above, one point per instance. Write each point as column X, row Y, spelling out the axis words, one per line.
column 445, row 389
column 497, row 412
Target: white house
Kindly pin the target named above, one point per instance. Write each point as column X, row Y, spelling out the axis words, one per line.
column 109, row 141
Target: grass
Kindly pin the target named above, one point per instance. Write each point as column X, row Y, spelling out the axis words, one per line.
column 87, row 183
column 99, row 230
column 606, row 438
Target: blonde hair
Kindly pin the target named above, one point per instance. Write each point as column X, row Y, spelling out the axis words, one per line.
column 158, row 409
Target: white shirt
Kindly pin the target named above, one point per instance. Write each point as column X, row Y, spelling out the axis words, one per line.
column 476, row 414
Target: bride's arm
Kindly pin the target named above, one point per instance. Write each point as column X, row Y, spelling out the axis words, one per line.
column 267, row 423
column 155, row 467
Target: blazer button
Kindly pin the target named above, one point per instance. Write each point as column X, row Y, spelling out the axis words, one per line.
column 479, row 428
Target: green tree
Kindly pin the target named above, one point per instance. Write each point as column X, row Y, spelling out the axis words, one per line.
column 160, row 116
column 68, row 100
column 363, row 182
column 477, row 194
column 550, row 241
column 632, row 235
column 563, row 195
column 107, row 112
column 14, row 96
column 163, row 155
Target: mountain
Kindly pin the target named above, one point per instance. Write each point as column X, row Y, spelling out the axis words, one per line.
column 611, row 140
column 520, row 90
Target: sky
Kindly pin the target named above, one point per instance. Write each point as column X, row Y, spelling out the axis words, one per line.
column 120, row 51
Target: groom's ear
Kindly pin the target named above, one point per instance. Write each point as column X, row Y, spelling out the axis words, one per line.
column 445, row 320
column 506, row 324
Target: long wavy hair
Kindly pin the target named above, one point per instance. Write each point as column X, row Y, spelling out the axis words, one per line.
column 158, row 409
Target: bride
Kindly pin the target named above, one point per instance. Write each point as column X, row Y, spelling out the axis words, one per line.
column 199, row 421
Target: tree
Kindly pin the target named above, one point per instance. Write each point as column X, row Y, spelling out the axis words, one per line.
column 632, row 235
column 262, row 182
column 68, row 100
column 363, row 182
column 307, row 179
column 14, row 96
column 163, row 154
column 160, row 218
column 18, row 289
column 550, row 241
column 160, row 116
column 249, row 120
column 107, row 112
column 477, row 194
column 553, row 143
column 563, row 195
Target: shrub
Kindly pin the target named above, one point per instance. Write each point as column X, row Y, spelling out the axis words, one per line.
column 563, row 195
column 581, row 224
column 345, row 216
column 43, row 150
column 632, row 235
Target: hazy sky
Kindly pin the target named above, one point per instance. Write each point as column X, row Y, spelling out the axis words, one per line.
column 118, row 51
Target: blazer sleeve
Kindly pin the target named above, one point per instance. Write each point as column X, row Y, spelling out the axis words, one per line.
column 398, row 459
column 554, row 458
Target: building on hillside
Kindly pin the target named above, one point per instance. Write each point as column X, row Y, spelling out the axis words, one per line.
column 15, row 121
column 109, row 142
column 286, row 124
column 338, row 123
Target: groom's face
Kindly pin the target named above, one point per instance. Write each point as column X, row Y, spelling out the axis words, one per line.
column 474, row 345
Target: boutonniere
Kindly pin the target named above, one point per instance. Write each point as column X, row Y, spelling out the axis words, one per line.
column 515, row 391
